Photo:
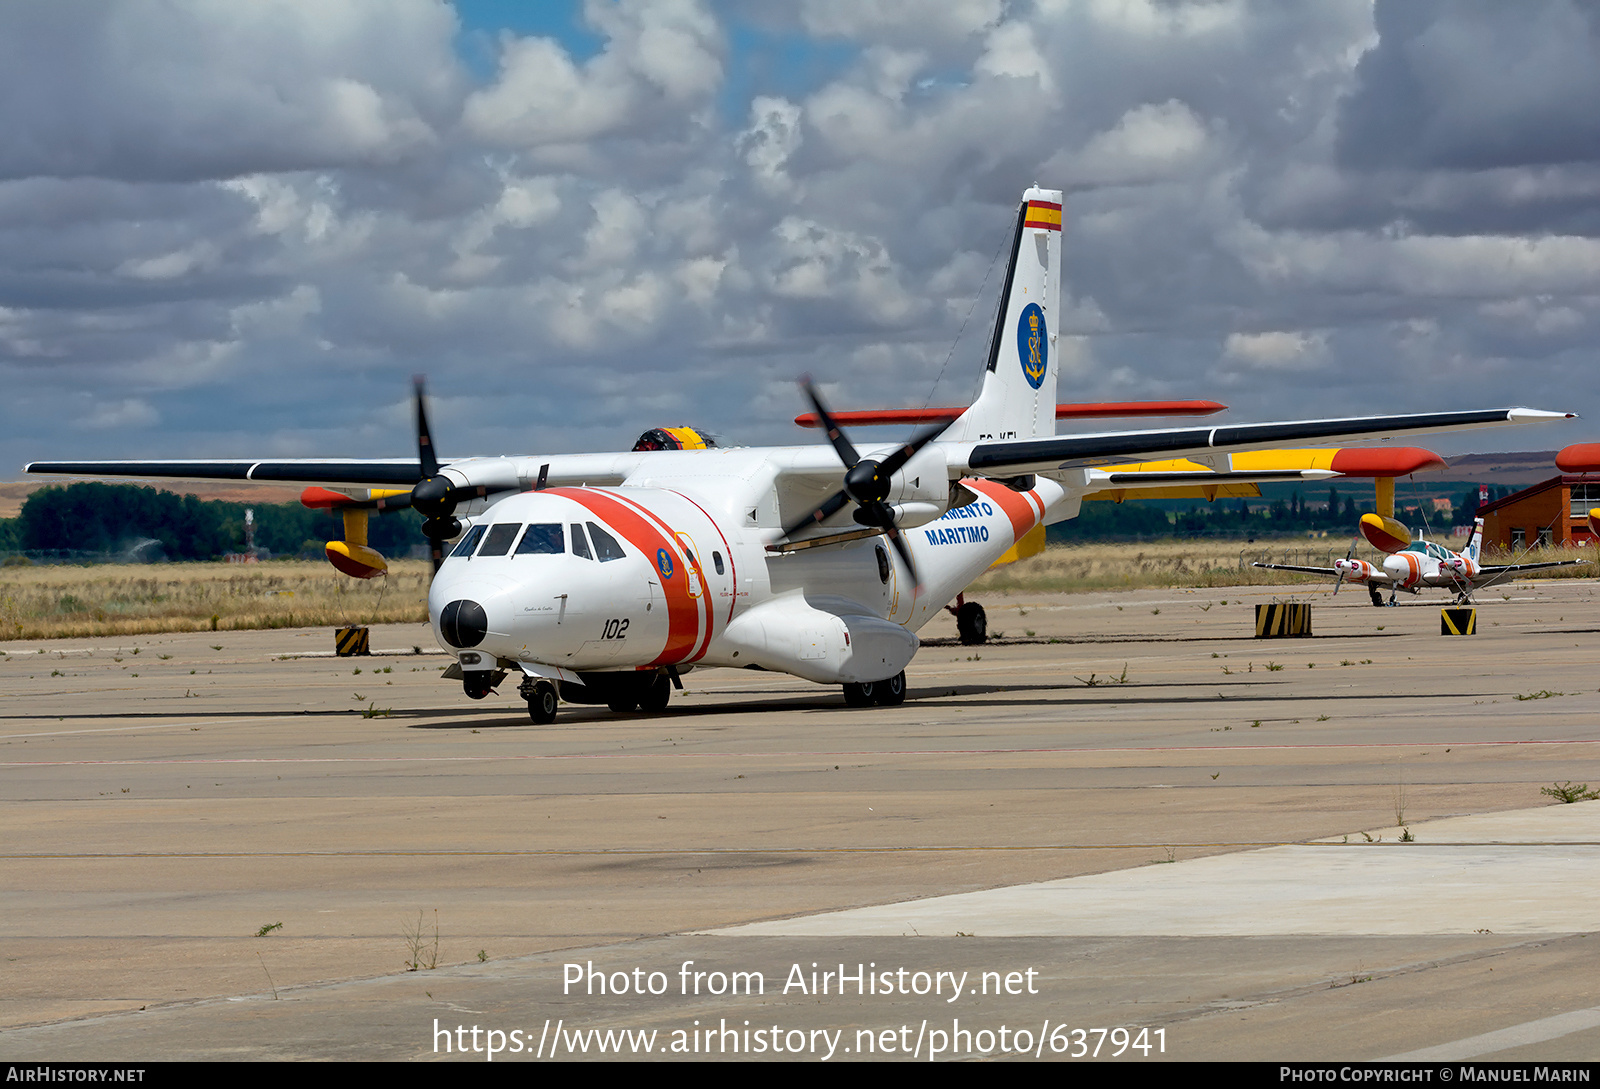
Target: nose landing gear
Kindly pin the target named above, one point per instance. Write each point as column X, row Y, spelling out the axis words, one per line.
column 542, row 702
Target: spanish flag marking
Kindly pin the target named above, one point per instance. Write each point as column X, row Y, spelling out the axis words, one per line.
column 1041, row 213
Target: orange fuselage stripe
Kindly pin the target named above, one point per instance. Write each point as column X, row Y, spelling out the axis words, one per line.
column 683, row 612
column 1023, row 508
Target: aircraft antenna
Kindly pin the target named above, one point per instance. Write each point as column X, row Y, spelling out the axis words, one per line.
column 976, row 298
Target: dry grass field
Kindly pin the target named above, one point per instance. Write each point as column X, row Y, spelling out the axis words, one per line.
column 44, row 602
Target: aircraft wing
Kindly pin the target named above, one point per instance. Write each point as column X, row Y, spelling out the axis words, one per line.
column 1327, row 572
column 1487, row 575
column 560, row 470
column 353, row 472
column 1019, row 456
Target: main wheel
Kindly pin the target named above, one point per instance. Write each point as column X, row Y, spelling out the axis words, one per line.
column 1375, row 594
column 655, row 696
column 972, row 624
column 892, row 692
column 542, row 703
column 860, row 695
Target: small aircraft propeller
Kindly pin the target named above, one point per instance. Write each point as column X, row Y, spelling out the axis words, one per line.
column 1343, row 571
column 866, row 481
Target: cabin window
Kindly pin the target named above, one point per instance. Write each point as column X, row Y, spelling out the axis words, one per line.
column 498, row 542
column 605, row 545
column 470, row 541
column 716, row 561
column 883, row 563
column 542, row 539
column 580, row 543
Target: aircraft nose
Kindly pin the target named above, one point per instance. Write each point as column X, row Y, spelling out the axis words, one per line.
column 463, row 623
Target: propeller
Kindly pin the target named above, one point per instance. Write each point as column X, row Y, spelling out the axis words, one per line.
column 867, row 481
column 435, row 496
column 1343, row 571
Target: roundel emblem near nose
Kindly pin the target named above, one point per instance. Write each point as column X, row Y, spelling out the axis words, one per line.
column 664, row 562
column 463, row 623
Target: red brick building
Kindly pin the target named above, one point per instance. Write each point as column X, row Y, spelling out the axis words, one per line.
column 1552, row 512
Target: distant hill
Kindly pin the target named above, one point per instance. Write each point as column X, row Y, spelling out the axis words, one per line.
column 1517, row 469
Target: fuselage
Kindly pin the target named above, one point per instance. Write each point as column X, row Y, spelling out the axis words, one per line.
column 1418, row 564
column 678, row 573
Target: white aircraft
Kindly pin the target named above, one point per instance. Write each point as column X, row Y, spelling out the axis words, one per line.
column 601, row 578
column 1421, row 565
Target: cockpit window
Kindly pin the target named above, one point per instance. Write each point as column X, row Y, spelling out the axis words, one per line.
column 542, row 539
column 498, row 543
column 580, row 543
column 470, row 541
column 605, row 545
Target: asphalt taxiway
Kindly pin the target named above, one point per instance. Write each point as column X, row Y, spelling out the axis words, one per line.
column 1126, row 813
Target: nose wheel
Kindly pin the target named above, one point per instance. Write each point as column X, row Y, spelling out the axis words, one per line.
column 542, row 702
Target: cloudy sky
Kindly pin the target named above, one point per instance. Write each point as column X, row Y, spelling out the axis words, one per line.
column 238, row 229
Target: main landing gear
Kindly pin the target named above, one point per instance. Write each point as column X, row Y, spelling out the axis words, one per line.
column 651, row 697
column 972, row 623
column 889, row 693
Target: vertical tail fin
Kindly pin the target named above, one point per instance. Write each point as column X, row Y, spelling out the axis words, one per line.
column 1475, row 544
column 1018, row 399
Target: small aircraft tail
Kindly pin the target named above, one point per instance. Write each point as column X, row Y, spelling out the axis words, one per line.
column 1018, row 399
column 1474, row 543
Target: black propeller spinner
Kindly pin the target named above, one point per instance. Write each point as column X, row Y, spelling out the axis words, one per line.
column 866, row 482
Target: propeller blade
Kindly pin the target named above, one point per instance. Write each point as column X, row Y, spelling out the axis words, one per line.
column 426, row 459
column 905, row 555
column 894, row 461
column 826, row 509
column 841, row 445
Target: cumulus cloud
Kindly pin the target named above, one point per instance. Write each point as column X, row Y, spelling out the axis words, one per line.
column 661, row 58
column 257, row 221
column 151, row 89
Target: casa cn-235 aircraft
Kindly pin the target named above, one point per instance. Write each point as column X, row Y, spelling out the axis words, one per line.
column 601, row 578
column 1419, row 565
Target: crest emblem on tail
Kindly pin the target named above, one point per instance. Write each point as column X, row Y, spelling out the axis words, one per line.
column 1033, row 345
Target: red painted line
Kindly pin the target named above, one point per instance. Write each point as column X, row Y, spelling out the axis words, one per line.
column 733, row 567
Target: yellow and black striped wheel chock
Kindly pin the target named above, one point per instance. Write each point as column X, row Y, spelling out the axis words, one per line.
column 350, row 642
column 1458, row 621
column 1281, row 620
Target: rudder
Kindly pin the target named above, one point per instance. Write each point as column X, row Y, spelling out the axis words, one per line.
column 1018, row 399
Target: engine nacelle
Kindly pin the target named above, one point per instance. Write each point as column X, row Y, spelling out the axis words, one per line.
column 1385, row 534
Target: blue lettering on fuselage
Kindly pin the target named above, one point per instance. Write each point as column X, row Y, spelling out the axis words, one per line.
column 980, row 509
column 961, row 534
column 958, row 535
